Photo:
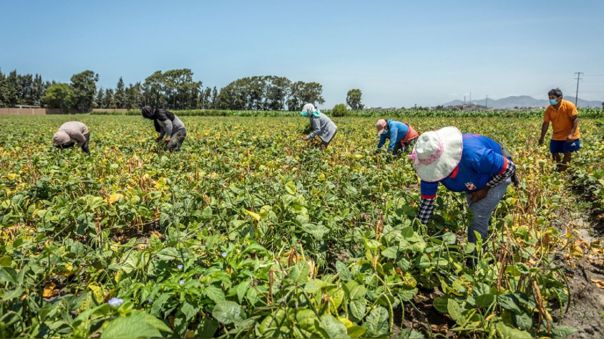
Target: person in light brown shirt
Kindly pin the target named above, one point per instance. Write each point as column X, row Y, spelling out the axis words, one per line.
column 70, row 134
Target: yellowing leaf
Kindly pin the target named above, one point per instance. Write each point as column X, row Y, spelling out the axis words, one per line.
column 115, row 197
column 599, row 283
column 49, row 290
column 97, row 292
column 254, row 215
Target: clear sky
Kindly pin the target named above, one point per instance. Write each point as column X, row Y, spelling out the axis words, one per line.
column 399, row 53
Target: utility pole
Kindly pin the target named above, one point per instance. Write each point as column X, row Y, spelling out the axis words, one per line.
column 577, row 93
column 470, row 97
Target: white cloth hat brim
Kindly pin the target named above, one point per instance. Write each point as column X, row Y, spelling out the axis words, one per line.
column 442, row 167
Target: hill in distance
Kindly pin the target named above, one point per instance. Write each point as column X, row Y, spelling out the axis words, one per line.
column 523, row 101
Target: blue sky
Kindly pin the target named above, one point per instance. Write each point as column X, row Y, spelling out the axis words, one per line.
column 399, row 53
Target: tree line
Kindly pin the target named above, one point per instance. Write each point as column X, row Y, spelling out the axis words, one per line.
column 173, row 89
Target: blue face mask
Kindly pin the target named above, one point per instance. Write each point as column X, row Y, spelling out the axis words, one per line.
column 553, row 102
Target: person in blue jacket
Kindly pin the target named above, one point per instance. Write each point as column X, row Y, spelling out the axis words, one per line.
column 470, row 163
column 401, row 135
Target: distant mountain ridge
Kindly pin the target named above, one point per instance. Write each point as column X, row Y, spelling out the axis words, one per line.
column 522, row 101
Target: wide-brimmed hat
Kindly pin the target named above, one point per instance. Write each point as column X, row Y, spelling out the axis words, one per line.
column 381, row 125
column 437, row 153
column 61, row 138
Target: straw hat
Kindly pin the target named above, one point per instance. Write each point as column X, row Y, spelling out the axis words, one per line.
column 437, row 153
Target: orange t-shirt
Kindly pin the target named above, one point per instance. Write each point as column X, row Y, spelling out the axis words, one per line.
column 561, row 120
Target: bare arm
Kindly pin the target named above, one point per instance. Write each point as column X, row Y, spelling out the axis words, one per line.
column 78, row 137
column 544, row 128
column 575, row 120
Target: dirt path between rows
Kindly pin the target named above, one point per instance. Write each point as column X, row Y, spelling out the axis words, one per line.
column 586, row 281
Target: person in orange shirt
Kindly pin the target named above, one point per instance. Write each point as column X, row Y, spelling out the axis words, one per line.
column 565, row 124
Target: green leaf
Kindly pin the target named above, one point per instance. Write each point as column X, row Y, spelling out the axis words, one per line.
column 343, row 271
column 138, row 324
column 334, row 328
column 214, row 293
column 485, row 300
column 562, row 331
column 390, row 252
column 207, row 328
column 440, row 304
column 314, row 286
column 228, row 312
column 242, row 289
column 377, row 322
column 455, row 310
column 507, row 302
column 408, row 333
column 306, row 319
column 357, row 292
column 507, row 332
column 358, row 308
column 407, row 294
column 5, row 261
column 524, row 321
column 188, row 310
column 316, row 230
column 356, row 331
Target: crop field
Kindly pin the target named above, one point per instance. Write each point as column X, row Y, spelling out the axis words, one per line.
column 251, row 232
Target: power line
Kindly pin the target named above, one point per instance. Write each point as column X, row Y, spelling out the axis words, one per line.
column 577, row 93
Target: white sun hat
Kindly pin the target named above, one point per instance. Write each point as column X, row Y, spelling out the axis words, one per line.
column 381, row 126
column 308, row 108
column 437, row 153
column 61, row 138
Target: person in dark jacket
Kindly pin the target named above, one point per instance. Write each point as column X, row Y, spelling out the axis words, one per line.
column 167, row 125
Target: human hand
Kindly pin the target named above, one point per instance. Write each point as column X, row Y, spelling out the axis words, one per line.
column 479, row 194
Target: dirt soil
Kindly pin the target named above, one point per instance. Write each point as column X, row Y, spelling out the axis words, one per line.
column 586, row 281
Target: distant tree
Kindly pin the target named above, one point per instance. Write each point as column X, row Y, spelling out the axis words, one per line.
column 109, row 101
column 59, row 95
column 353, row 99
column 174, row 89
column 339, row 110
column 214, row 97
column 12, row 89
column 134, row 96
column 294, row 101
column 120, row 94
column 84, row 88
column 304, row 92
column 38, row 88
column 207, row 98
column 276, row 93
column 3, row 90
column 99, row 99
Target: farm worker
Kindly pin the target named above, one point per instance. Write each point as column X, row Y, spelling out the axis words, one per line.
column 167, row 125
column 71, row 133
column 469, row 163
column 565, row 123
column 320, row 124
column 401, row 135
